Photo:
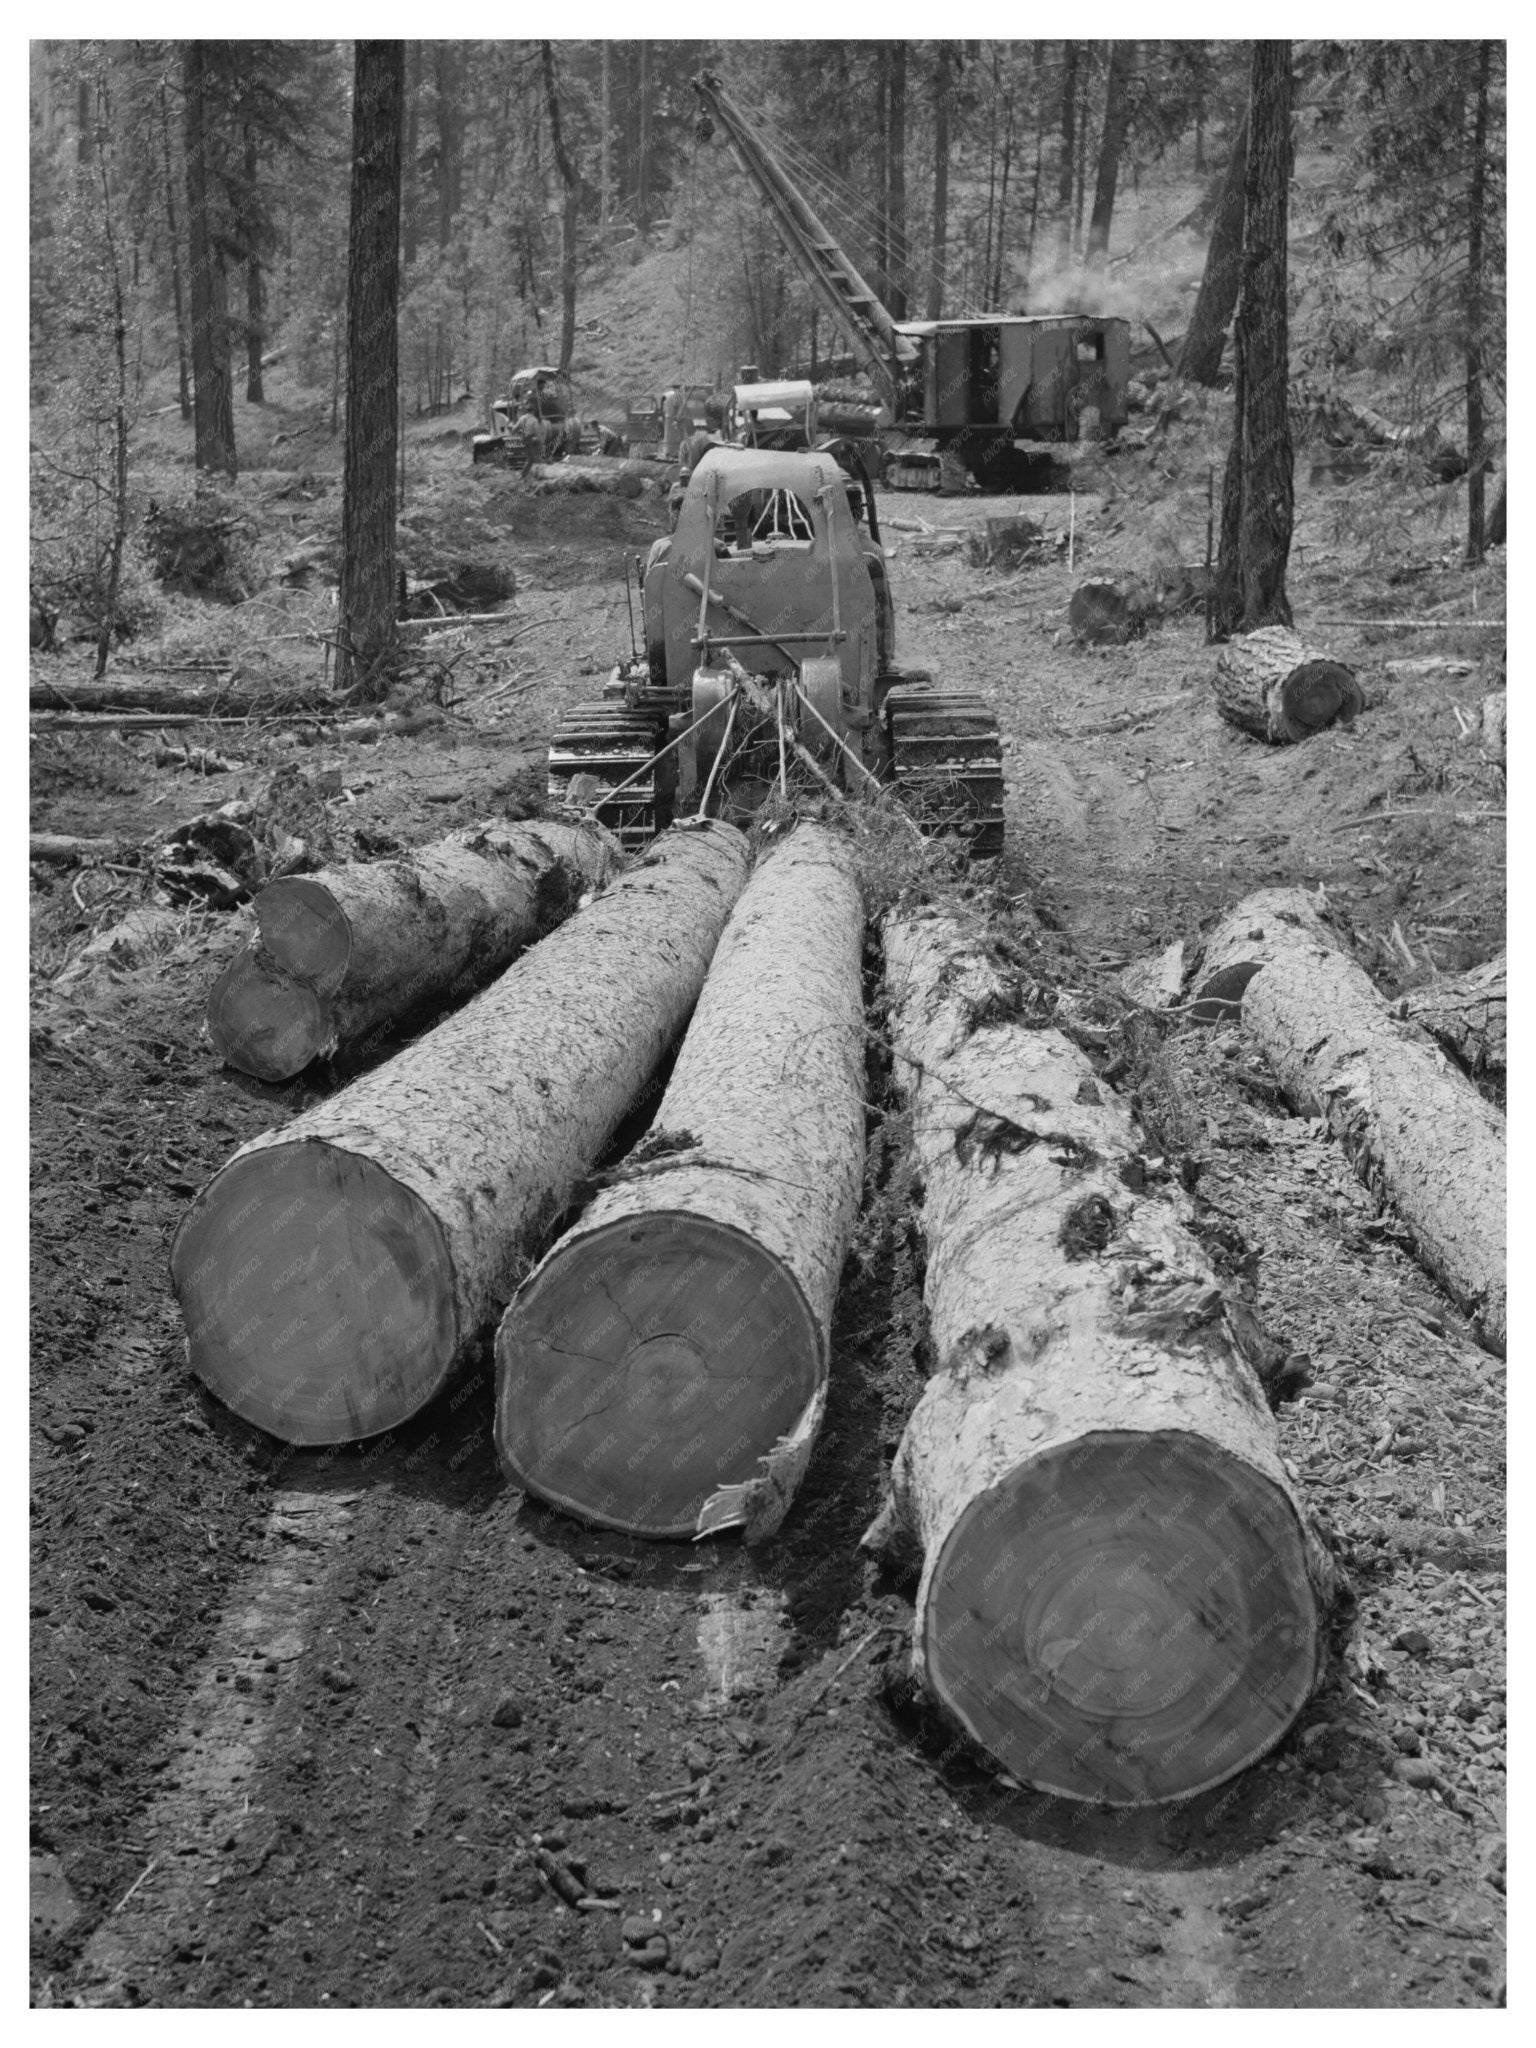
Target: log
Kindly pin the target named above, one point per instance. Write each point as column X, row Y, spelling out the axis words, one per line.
column 339, row 953
column 1271, row 685
column 1415, row 1129
column 664, row 1371
column 1157, row 979
column 1243, row 941
column 64, row 850
column 335, row 1272
column 1495, row 726
column 1110, row 610
column 1120, row 1593
column 1467, row 1017
column 189, row 698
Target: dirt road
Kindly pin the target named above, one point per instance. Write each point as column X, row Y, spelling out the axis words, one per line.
column 366, row 1728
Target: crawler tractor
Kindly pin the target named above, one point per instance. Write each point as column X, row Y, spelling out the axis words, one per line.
column 770, row 635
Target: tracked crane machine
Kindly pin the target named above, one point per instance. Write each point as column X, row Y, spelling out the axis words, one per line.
column 770, row 635
column 1001, row 394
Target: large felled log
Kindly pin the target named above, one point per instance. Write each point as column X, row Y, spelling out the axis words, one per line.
column 335, row 1271
column 140, row 694
column 1467, row 1016
column 664, row 1370
column 1242, row 941
column 341, row 952
column 1271, row 685
column 1415, row 1129
column 65, row 850
column 1110, row 609
column 1120, row 1591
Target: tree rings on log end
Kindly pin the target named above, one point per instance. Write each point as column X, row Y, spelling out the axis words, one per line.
column 1127, row 1618
column 306, row 930
column 1317, row 694
column 647, row 1364
column 317, row 1293
column 263, row 1023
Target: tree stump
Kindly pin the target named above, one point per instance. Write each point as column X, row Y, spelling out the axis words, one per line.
column 334, row 1273
column 1120, row 1591
column 664, row 1370
column 1270, row 685
column 1495, row 726
column 1110, row 610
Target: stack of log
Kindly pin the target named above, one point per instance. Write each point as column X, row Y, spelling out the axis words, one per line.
column 340, row 953
column 335, row 1273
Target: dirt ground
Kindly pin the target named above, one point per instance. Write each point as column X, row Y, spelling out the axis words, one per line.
column 305, row 1723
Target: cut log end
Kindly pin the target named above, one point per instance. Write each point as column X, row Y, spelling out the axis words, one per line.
column 1317, row 694
column 306, row 930
column 317, row 1293
column 1107, row 1636
column 263, row 1023
column 631, row 1402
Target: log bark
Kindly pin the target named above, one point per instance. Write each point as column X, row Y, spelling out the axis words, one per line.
column 342, row 953
column 1270, row 685
column 176, row 698
column 1495, row 726
column 64, row 850
column 1243, row 941
column 1157, row 979
column 335, row 1272
column 1110, row 609
column 1467, row 1017
column 664, row 1371
column 1120, row 1591
column 1416, row 1131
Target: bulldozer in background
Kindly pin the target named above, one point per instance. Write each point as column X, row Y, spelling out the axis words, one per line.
column 770, row 599
column 537, row 421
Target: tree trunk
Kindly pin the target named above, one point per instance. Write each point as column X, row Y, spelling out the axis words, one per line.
column 643, row 140
column 1200, row 356
column 1494, row 537
column 1272, row 686
column 336, row 1271
column 570, row 178
column 664, row 1370
column 107, row 622
column 1110, row 609
column 1117, row 115
column 943, row 88
column 881, row 278
column 347, row 951
column 410, row 210
column 450, row 139
column 1477, row 453
column 1120, row 1591
column 896, row 182
column 603, row 145
column 373, row 405
column 1414, row 1128
column 1250, row 582
column 1068, row 144
column 183, row 381
column 255, row 310
column 1467, row 1017
column 212, row 407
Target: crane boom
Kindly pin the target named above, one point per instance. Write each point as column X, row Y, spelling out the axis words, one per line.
column 860, row 317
